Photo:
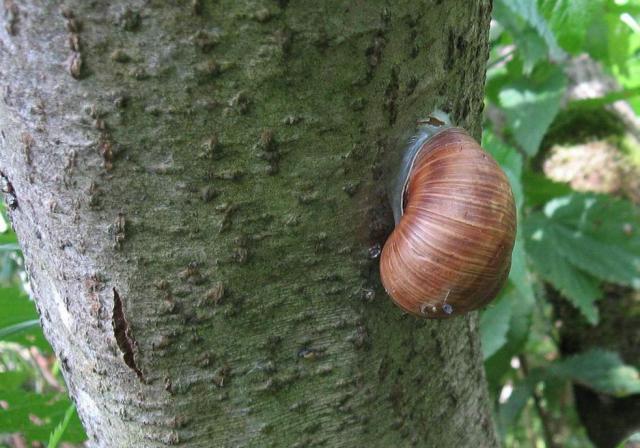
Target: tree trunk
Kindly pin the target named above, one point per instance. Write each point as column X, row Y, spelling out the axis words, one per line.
column 196, row 186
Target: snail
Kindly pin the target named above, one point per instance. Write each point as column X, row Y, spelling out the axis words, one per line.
column 455, row 216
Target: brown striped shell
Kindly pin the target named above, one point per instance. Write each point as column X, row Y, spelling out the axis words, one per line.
column 450, row 252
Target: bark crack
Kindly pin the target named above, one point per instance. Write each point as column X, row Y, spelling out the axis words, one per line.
column 123, row 335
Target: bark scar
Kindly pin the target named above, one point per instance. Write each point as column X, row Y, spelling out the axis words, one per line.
column 123, row 335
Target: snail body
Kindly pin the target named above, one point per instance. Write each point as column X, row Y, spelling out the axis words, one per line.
column 450, row 252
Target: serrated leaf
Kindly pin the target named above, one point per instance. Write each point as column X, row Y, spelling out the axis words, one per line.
column 531, row 48
column 615, row 264
column 600, row 370
column 600, row 235
column 529, row 30
column 541, row 243
column 584, row 237
column 530, row 105
column 57, row 434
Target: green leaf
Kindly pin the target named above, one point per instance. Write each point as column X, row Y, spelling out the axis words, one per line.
column 608, row 39
column 56, row 435
column 581, row 289
column 16, row 307
column 498, row 365
column 521, row 314
column 35, row 415
column 494, row 322
column 529, row 30
column 17, row 328
column 519, row 274
column 600, row 370
column 531, row 104
column 501, row 341
column 539, row 189
column 17, row 317
column 509, row 160
column 599, row 234
column 509, row 411
column 581, row 238
column 570, row 20
column 13, row 380
column 506, row 156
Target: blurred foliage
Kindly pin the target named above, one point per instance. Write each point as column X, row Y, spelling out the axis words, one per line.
column 574, row 241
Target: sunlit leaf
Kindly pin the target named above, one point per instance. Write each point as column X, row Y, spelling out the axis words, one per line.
column 570, row 20
column 529, row 29
column 530, row 105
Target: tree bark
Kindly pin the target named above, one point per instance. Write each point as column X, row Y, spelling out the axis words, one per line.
column 196, row 187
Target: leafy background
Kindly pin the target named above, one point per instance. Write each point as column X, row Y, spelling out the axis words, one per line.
column 575, row 241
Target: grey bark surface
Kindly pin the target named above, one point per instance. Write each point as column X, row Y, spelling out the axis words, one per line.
column 196, row 186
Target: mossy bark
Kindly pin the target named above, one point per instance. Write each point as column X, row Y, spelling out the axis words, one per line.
column 197, row 186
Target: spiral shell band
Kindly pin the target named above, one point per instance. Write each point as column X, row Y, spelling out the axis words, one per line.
column 450, row 252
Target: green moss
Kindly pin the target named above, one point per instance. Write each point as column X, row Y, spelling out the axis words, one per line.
column 579, row 125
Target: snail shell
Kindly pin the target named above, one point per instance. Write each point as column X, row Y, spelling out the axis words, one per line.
column 450, row 251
